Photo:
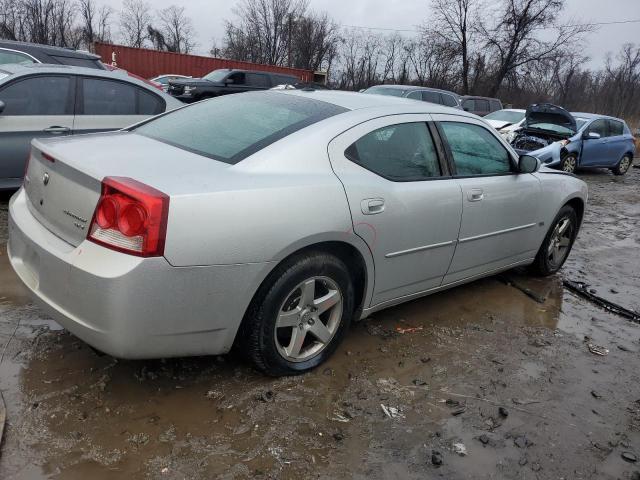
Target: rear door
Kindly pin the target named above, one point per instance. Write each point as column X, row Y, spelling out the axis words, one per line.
column 595, row 151
column 403, row 202
column 35, row 106
column 432, row 97
column 500, row 210
column 257, row 81
column 619, row 142
column 104, row 104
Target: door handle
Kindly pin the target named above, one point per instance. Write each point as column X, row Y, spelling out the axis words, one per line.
column 371, row 206
column 56, row 129
column 475, row 195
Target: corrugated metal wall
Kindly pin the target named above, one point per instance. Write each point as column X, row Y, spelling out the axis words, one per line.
column 151, row 63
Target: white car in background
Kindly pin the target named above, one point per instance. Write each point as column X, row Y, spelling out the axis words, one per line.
column 506, row 121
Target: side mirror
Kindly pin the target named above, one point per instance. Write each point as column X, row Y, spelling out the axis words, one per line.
column 2, row 105
column 229, row 81
column 591, row 136
column 528, row 164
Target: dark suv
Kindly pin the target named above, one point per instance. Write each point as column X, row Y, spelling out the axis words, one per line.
column 224, row 81
column 24, row 53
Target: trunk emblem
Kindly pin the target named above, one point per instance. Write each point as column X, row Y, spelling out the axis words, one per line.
column 45, row 178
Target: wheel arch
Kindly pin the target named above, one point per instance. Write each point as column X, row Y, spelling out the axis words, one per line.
column 578, row 205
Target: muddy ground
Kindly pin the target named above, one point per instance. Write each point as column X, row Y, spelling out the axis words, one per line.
column 566, row 413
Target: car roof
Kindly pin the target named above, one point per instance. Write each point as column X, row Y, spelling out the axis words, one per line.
column 245, row 70
column 358, row 101
column 593, row 116
column 465, row 97
column 19, row 70
column 415, row 87
column 47, row 49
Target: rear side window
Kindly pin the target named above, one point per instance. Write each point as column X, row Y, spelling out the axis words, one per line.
column 238, row 78
column 108, row 97
column 615, row 128
column 495, row 105
column 232, row 127
column 7, row 56
column 475, row 150
column 416, row 95
column 257, row 80
column 449, row 100
column 403, row 152
column 469, row 104
column 433, row 97
column 41, row 95
column 599, row 127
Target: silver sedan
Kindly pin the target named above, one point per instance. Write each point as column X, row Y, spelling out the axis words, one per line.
column 271, row 220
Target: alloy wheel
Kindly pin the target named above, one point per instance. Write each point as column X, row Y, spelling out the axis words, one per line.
column 308, row 319
column 624, row 164
column 569, row 164
column 560, row 242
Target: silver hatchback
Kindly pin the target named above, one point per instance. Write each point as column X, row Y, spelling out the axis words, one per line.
column 272, row 219
column 40, row 100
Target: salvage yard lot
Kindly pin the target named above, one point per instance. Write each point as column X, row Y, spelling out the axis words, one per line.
column 441, row 366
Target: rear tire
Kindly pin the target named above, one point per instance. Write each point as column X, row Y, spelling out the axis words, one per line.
column 557, row 243
column 299, row 315
column 569, row 163
column 623, row 165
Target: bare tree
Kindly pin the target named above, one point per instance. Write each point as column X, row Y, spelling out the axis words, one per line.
column 455, row 21
column 95, row 22
column 177, row 29
column 513, row 39
column 135, row 19
column 314, row 41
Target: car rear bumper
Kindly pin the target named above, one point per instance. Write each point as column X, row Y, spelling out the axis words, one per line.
column 127, row 306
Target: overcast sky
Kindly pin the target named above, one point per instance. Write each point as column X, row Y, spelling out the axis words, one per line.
column 208, row 19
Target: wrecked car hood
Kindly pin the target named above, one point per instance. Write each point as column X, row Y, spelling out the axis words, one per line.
column 547, row 113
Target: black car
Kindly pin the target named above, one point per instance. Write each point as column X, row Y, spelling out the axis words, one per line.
column 225, row 81
column 23, row 52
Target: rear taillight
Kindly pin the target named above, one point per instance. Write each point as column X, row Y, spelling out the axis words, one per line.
column 130, row 217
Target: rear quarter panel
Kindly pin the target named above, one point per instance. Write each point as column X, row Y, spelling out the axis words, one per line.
column 558, row 188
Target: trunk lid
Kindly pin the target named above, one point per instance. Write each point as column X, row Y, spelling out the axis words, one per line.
column 64, row 177
column 543, row 115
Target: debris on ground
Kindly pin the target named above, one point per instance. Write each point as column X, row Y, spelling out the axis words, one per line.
column 460, row 449
column 629, row 457
column 503, row 412
column 392, row 412
column 597, row 349
column 403, row 330
column 582, row 289
column 436, row 458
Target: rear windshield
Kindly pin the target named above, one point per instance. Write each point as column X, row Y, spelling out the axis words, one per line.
column 232, row 127
column 394, row 92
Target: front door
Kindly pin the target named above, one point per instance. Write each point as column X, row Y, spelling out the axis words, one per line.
column 403, row 202
column 595, row 151
column 35, row 106
column 500, row 206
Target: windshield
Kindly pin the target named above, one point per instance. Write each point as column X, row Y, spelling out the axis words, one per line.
column 506, row 116
column 394, row 92
column 580, row 122
column 216, row 75
column 232, row 127
column 552, row 127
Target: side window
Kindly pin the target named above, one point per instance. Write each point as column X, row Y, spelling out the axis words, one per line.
column 39, row 95
column 469, row 105
column 403, row 152
column 495, row 105
column 449, row 100
column 238, row 78
column 7, row 56
column 77, row 62
column 615, row 128
column 475, row 150
column 433, row 97
column 482, row 105
column 415, row 95
column 106, row 97
column 149, row 104
column 600, row 127
column 257, row 80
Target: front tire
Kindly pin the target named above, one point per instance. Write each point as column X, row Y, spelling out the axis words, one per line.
column 299, row 315
column 557, row 243
column 623, row 165
column 569, row 163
